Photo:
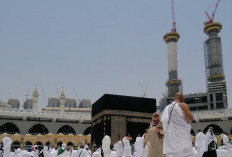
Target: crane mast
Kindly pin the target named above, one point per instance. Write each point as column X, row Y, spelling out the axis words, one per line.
column 173, row 18
column 213, row 14
column 215, row 10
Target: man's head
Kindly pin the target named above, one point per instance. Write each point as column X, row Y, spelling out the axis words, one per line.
column 179, row 97
column 210, row 129
column 225, row 133
column 155, row 116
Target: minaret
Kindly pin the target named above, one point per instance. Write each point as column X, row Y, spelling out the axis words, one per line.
column 216, row 84
column 62, row 101
column 171, row 39
column 35, row 97
column 173, row 83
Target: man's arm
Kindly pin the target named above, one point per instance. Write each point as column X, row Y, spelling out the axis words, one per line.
column 187, row 112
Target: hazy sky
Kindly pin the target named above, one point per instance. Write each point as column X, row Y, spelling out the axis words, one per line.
column 93, row 47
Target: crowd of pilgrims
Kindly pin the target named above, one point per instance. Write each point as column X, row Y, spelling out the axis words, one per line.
column 168, row 136
column 123, row 148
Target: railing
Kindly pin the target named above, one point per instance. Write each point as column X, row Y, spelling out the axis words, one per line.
column 212, row 115
column 44, row 115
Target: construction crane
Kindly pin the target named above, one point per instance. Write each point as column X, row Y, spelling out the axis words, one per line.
column 143, row 93
column 173, row 18
column 213, row 14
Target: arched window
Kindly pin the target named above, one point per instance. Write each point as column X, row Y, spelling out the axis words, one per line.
column 39, row 144
column 216, row 129
column 66, row 129
column 38, row 129
column 9, row 128
column 59, row 144
column 87, row 131
column 15, row 145
column 28, row 144
column 69, row 144
column 49, row 144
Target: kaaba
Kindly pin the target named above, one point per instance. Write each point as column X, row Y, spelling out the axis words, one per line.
column 117, row 115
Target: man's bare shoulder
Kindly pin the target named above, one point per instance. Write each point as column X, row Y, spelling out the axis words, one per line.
column 183, row 105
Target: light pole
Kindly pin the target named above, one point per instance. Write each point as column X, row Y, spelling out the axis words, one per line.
column 225, row 100
column 197, row 99
column 197, row 111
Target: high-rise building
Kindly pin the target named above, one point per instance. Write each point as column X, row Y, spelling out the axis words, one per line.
column 216, row 84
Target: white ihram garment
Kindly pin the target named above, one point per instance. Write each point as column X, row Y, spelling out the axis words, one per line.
column 144, row 150
column 6, row 146
column 208, row 139
column 177, row 137
column 113, row 154
column 199, row 142
column 139, row 146
column 225, row 139
column 24, row 153
column 96, row 154
column 12, row 154
column 127, row 147
column 106, row 146
column 120, row 149
column 82, row 153
column 53, row 153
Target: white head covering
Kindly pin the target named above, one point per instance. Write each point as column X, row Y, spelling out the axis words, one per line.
column 17, row 151
column 45, row 148
column 106, row 145
column 113, row 154
column 6, row 146
column 63, row 146
column 106, row 142
column 86, row 146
